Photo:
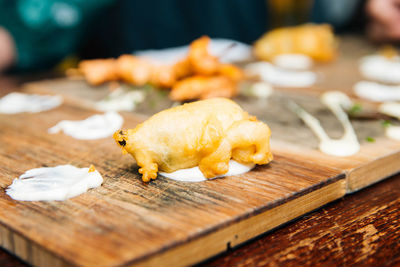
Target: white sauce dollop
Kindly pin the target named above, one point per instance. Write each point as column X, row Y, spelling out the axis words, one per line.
column 121, row 100
column 347, row 145
column 281, row 77
column 19, row 102
column 195, row 175
column 94, row 127
column 377, row 92
column 391, row 109
column 293, row 61
column 261, row 90
column 53, row 183
column 381, row 68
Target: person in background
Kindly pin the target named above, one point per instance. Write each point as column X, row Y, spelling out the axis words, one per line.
column 37, row 34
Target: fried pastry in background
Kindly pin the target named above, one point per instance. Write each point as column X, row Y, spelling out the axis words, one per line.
column 133, row 70
column 201, row 61
column 203, row 87
column 98, row 71
column 205, row 133
column 315, row 41
column 198, row 76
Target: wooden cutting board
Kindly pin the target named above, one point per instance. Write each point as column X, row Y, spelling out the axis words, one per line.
column 127, row 222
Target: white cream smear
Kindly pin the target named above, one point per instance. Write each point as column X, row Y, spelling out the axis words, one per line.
column 293, row 61
column 381, row 68
column 391, row 109
column 261, row 90
column 377, row 92
column 121, row 100
column 347, row 145
column 195, row 175
column 54, row 183
column 19, row 102
column 94, row 127
column 279, row 76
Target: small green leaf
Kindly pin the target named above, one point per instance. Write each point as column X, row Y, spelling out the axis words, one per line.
column 357, row 107
column 370, row 139
column 386, row 123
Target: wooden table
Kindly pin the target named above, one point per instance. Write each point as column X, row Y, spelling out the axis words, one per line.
column 362, row 228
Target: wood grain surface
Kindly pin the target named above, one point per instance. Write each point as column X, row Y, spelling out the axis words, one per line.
column 340, row 233
column 127, row 222
column 161, row 216
column 361, row 229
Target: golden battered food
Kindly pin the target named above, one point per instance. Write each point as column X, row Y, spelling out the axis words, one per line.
column 205, row 133
column 315, row 41
column 231, row 71
column 198, row 76
column 98, row 71
column 201, row 61
column 203, row 87
column 163, row 76
column 134, row 70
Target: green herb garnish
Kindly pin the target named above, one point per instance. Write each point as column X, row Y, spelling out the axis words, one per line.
column 386, row 123
column 356, row 108
column 370, row 139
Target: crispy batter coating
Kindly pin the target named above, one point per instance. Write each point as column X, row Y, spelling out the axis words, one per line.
column 98, row 71
column 231, row 71
column 205, row 133
column 203, row 87
column 316, row 41
column 198, row 76
column 134, row 70
column 163, row 76
column 201, row 61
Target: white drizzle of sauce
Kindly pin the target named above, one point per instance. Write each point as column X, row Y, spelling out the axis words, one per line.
column 281, row 77
column 293, row 61
column 377, row 92
column 391, row 109
column 54, row 183
column 347, row 145
column 381, row 68
column 195, row 175
column 19, row 102
column 121, row 100
column 94, row 127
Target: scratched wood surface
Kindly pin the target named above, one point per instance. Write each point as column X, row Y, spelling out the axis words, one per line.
column 361, row 229
column 127, row 222
column 124, row 220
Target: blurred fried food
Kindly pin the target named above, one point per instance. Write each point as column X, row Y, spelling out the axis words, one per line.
column 99, row 71
column 203, row 87
column 201, row 61
column 315, row 41
column 198, row 76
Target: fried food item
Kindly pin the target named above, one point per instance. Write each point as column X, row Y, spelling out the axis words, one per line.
column 134, row 70
column 203, row 87
column 231, row 71
column 163, row 76
column 315, row 41
column 198, row 76
column 201, row 61
column 205, row 133
column 183, row 69
column 98, row 71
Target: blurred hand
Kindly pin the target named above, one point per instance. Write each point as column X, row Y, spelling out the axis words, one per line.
column 384, row 25
column 7, row 50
